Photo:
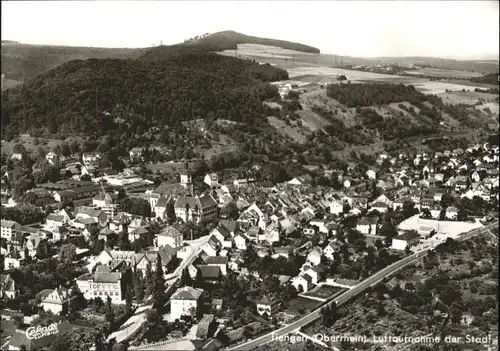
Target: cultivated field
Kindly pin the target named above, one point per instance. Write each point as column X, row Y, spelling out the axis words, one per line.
column 439, row 72
column 467, row 97
column 325, row 291
column 265, row 51
column 327, row 75
column 441, row 87
column 10, row 83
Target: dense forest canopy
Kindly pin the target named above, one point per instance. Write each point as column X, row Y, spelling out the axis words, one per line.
column 140, row 93
column 25, row 62
column 487, row 79
column 362, row 95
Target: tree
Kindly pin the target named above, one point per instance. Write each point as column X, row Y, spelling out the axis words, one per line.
column 65, row 149
column 159, row 290
column 77, row 300
column 67, row 253
column 230, row 211
column 150, row 283
column 389, row 231
column 138, row 285
column 186, row 278
column 330, row 314
column 110, row 315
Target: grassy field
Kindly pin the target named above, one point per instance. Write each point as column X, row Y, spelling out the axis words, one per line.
column 224, row 144
column 301, row 305
column 293, row 131
column 439, row 72
column 10, row 83
column 8, row 328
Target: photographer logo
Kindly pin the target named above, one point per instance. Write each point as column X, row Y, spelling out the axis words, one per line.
column 38, row 332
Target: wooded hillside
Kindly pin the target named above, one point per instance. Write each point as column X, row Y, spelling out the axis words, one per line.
column 144, row 92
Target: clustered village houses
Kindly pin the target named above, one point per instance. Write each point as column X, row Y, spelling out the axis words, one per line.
column 263, row 216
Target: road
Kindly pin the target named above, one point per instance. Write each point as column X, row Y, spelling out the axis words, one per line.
column 195, row 247
column 134, row 323
column 370, row 281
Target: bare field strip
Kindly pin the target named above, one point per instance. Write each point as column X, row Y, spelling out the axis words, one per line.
column 440, row 72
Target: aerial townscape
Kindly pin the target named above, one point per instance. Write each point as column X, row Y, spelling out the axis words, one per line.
column 233, row 192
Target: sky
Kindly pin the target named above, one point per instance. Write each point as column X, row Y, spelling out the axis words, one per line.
column 451, row 29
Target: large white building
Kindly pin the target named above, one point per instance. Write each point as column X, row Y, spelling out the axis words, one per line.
column 106, row 202
column 195, row 208
column 9, row 229
column 102, row 283
column 407, row 239
column 184, row 302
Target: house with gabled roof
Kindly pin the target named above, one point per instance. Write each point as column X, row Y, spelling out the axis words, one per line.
column 380, row 207
column 303, row 283
column 160, row 208
column 9, row 229
column 211, row 179
column 35, row 243
column 314, row 257
column 195, row 208
column 207, row 273
column 212, row 247
column 271, row 234
column 267, row 306
column 223, row 235
column 219, row 261
column 90, row 213
column 407, row 239
column 435, row 211
column 13, row 259
column 241, row 241
column 141, row 233
column 137, row 223
column 399, row 202
column 56, row 301
column 120, row 222
column 169, row 236
column 367, row 225
column 8, row 289
column 252, row 216
column 166, row 253
column 105, row 234
column 332, row 247
column 107, row 256
column 185, row 301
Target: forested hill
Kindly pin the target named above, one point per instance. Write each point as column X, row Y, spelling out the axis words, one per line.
column 139, row 94
column 24, row 61
column 487, row 79
column 229, row 40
